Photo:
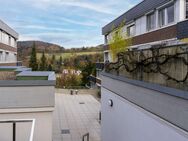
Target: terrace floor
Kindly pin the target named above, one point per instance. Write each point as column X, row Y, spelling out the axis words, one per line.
column 78, row 114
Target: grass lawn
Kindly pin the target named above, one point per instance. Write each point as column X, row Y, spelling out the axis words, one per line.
column 66, row 55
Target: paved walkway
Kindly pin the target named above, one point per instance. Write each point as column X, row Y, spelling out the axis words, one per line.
column 77, row 114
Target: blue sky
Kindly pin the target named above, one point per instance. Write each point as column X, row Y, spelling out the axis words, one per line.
column 70, row 23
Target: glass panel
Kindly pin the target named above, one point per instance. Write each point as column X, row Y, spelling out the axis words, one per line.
column 162, row 17
column 186, row 8
column 170, row 13
column 131, row 30
column 1, row 56
column 151, row 21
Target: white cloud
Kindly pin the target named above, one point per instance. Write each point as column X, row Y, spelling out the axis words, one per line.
column 79, row 22
column 28, row 38
column 40, row 27
column 88, row 5
column 99, row 7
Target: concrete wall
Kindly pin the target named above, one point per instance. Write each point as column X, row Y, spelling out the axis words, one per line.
column 27, row 97
column 26, row 100
column 142, row 111
column 173, row 71
column 80, row 91
column 42, row 129
column 128, row 122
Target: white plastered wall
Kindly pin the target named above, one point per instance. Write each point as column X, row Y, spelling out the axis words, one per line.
column 127, row 122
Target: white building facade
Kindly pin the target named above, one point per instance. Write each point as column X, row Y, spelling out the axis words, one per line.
column 8, row 45
column 157, row 18
column 137, row 111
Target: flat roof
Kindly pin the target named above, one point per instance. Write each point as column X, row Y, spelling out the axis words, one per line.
column 49, row 74
column 11, row 67
column 33, row 73
column 23, row 69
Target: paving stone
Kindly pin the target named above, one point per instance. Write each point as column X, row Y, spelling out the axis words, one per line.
column 78, row 118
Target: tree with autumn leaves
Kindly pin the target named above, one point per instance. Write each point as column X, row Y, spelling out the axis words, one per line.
column 119, row 41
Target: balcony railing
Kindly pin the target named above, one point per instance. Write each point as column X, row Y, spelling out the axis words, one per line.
column 14, row 122
column 19, row 63
column 100, row 66
column 92, row 79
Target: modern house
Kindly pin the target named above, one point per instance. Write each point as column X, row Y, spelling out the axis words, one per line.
column 151, row 23
column 8, row 45
column 144, row 93
column 27, row 101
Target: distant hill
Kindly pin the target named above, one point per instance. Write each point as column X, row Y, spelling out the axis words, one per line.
column 98, row 48
column 24, row 47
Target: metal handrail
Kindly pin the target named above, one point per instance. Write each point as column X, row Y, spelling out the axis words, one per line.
column 14, row 121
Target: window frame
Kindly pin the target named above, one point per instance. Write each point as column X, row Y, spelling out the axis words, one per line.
column 129, row 31
column 149, row 18
column 186, row 9
column 167, row 8
column 6, row 56
column 1, row 56
column 161, row 22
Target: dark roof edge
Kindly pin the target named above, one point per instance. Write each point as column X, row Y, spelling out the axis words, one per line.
column 123, row 14
column 26, row 83
column 134, row 13
column 9, row 29
column 156, row 87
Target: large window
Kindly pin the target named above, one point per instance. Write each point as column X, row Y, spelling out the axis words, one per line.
column 150, row 21
column 9, row 41
column 161, row 17
column 1, row 56
column 7, row 56
column 131, row 30
column 187, row 9
column 170, row 14
column 0, row 36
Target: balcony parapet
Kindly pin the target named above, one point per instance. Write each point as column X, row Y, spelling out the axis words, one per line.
column 166, row 66
column 26, row 89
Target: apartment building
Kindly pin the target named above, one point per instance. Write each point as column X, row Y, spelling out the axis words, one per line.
column 8, row 45
column 144, row 93
column 151, row 23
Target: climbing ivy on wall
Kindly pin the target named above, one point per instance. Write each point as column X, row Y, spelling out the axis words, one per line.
column 154, row 60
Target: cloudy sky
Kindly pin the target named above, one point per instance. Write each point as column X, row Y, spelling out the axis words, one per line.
column 70, row 23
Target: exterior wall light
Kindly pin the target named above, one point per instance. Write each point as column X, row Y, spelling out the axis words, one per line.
column 110, row 103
